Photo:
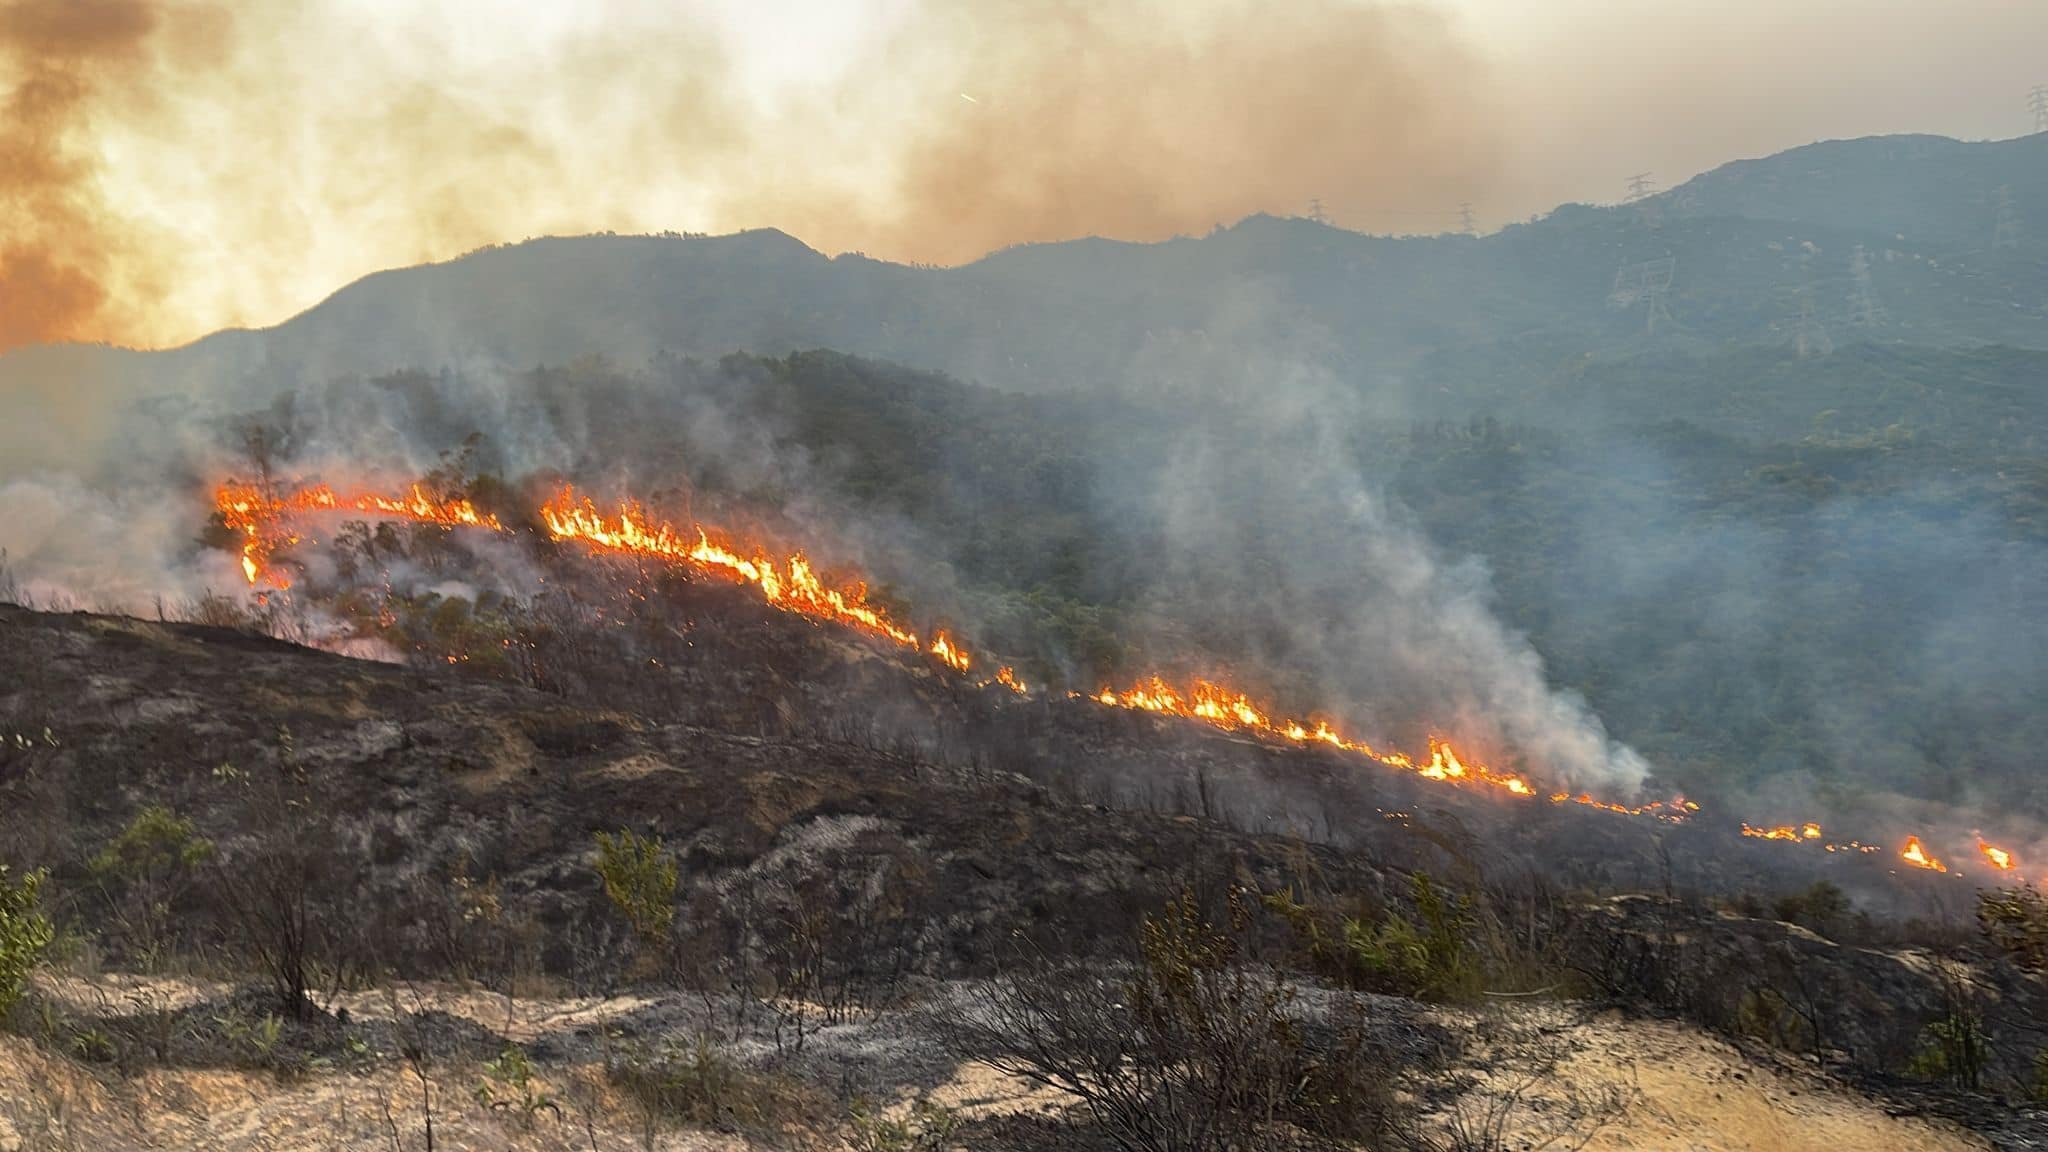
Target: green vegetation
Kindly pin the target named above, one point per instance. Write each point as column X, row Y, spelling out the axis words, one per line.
column 640, row 880
column 146, row 869
column 510, row 1084
column 1429, row 956
column 1697, row 542
column 1954, row 1048
column 25, row 934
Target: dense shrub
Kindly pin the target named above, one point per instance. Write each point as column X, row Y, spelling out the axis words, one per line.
column 25, row 934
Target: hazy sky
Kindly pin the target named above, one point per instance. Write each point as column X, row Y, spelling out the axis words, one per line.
column 168, row 167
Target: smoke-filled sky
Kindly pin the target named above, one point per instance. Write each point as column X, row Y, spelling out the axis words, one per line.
column 169, row 167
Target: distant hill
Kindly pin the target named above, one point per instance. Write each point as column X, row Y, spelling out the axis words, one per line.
column 1889, row 240
column 1922, row 189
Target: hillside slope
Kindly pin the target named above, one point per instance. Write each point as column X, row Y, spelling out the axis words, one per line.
column 829, row 888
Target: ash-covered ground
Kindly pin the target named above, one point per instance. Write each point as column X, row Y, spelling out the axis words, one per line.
column 858, row 839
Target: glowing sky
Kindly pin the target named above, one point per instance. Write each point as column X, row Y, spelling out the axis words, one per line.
column 215, row 164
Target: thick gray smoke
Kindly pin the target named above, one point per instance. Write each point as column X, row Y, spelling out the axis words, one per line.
column 1276, row 535
column 1269, row 526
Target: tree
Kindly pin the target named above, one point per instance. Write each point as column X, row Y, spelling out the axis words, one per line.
column 640, row 880
column 268, row 880
column 146, row 869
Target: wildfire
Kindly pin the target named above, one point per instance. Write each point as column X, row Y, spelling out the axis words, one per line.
column 950, row 653
column 791, row 584
column 1234, row 711
column 1917, row 856
column 1783, row 832
column 1914, row 852
column 262, row 518
column 266, row 520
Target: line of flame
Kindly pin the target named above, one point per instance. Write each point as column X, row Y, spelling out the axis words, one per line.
column 259, row 517
column 262, row 521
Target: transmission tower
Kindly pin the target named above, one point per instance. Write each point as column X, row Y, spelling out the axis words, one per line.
column 1647, row 284
column 1864, row 310
column 2037, row 102
column 1316, row 213
column 2005, row 233
column 1466, row 223
column 1809, row 335
column 1640, row 187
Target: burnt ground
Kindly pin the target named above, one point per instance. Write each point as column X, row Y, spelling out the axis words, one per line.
column 850, row 826
column 434, row 775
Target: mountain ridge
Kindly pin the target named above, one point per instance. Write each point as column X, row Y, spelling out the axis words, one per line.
column 1747, row 262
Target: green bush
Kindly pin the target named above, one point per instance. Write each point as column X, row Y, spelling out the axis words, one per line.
column 1954, row 1048
column 509, row 1085
column 1430, row 956
column 1822, row 908
column 640, row 880
column 146, row 869
column 25, row 934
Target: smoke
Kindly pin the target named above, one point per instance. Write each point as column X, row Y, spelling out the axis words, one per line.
column 1145, row 120
column 62, row 262
column 1278, row 546
column 174, row 167
column 169, row 167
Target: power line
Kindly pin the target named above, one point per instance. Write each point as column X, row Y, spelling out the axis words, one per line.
column 1864, row 310
column 2005, row 232
column 1647, row 284
column 1809, row 335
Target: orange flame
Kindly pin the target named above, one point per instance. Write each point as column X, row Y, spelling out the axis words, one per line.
column 792, row 585
column 1234, row 711
column 950, row 653
column 265, row 521
column 1917, row 856
column 261, row 518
